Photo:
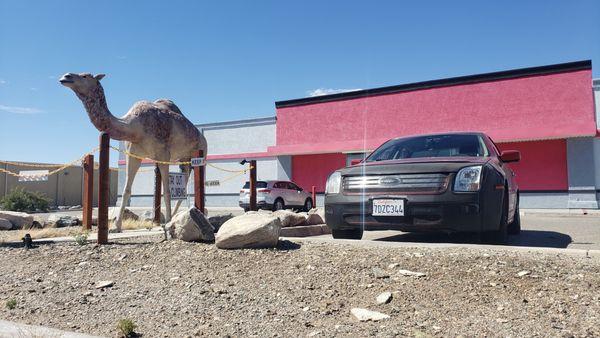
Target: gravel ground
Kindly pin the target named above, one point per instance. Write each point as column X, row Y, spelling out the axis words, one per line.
column 179, row 289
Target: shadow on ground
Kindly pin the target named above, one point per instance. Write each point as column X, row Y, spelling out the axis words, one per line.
column 533, row 238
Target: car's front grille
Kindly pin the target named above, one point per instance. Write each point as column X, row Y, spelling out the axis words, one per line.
column 403, row 183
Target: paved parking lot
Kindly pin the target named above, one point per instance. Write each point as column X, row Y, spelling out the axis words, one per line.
column 538, row 230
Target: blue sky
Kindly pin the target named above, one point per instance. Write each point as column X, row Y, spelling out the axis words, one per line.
column 225, row 60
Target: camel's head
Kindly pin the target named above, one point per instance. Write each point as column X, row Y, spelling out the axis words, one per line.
column 83, row 83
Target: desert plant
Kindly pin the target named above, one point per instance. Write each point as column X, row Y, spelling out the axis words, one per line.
column 126, row 328
column 81, row 238
column 21, row 200
column 11, row 304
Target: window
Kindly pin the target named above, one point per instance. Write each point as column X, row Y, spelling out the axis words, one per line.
column 259, row 185
column 431, row 146
column 293, row 186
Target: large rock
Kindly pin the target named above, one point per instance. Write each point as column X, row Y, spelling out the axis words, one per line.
column 61, row 220
column 20, row 220
column 218, row 220
column 190, row 225
column 259, row 230
column 289, row 218
column 5, row 224
column 127, row 214
column 316, row 216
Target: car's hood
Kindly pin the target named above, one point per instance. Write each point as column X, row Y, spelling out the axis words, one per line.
column 413, row 165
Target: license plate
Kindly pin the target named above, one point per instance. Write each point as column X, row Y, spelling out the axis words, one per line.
column 392, row 207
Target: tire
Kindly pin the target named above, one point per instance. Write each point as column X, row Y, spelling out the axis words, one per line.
column 246, row 209
column 278, row 204
column 308, row 204
column 514, row 228
column 501, row 235
column 347, row 234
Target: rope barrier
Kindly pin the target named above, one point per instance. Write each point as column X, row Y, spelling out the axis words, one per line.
column 227, row 170
column 61, row 167
column 235, row 175
column 175, row 163
column 145, row 158
column 31, row 165
column 50, row 173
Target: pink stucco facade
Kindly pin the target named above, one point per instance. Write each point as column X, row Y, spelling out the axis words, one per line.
column 553, row 106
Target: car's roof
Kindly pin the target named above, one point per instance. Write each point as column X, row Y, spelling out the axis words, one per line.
column 475, row 133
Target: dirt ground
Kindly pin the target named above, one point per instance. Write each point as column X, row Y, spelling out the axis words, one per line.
column 177, row 289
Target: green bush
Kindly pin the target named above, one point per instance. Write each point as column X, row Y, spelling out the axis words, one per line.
column 11, row 304
column 81, row 238
column 126, row 328
column 21, row 200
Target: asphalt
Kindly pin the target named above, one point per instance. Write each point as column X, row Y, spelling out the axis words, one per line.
column 543, row 230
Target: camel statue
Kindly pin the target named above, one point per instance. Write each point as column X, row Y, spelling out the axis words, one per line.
column 155, row 130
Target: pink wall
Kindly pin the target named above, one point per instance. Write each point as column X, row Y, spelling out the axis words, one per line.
column 543, row 164
column 309, row 170
column 529, row 108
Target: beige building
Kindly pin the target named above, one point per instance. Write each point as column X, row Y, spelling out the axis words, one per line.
column 63, row 188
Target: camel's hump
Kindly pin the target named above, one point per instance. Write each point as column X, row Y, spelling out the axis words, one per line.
column 170, row 105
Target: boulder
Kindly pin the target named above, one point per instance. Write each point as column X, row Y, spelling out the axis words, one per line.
column 190, row 225
column 289, row 218
column 127, row 214
column 249, row 231
column 20, row 220
column 148, row 215
column 218, row 220
column 316, row 216
column 62, row 220
column 5, row 224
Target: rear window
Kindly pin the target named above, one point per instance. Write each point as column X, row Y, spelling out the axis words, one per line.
column 259, row 185
column 430, row 146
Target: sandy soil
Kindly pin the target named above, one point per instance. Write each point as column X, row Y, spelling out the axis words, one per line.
column 179, row 289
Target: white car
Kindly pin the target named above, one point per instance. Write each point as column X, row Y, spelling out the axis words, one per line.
column 276, row 195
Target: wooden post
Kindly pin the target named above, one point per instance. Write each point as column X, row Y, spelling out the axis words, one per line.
column 314, row 195
column 199, row 183
column 253, row 185
column 157, row 189
column 88, row 190
column 103, row 189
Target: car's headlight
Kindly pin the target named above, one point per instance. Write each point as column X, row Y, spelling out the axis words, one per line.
column 334, row 183
column 468, row 179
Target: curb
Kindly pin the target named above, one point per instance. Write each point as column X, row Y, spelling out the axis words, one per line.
column 561, row 212
column 305, row 231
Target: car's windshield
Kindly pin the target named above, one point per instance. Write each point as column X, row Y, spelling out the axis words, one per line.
column 430, row 146
column 259, row 185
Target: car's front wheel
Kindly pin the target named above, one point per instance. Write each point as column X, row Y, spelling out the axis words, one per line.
column 514, row 228
column 278, row 204
column 501, row 235
column 308, row 204
column 347, row 234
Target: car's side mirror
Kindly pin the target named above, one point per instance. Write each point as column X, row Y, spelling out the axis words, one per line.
column 355, row 161
column 510, row 156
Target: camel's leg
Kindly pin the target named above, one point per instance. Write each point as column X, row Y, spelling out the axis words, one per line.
column 164, row 175
column 186, row 169
column 133, row 164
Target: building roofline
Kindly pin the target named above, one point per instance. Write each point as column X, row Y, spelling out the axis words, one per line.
column 234, row 123
column 469, row 79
